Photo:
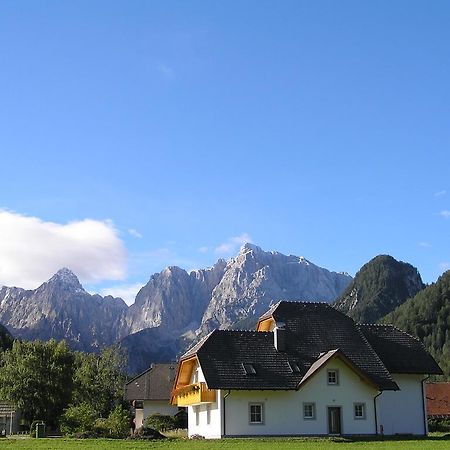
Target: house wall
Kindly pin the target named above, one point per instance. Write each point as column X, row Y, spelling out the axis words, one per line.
column 153, row 407
column 213, row 430
column 402, row 412
column 283, row 410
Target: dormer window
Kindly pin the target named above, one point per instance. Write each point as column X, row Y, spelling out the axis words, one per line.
column 332, row 377
column 249, row 369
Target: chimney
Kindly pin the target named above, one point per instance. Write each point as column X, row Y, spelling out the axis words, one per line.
column 279, row 336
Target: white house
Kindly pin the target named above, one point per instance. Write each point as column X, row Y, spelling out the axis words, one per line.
column 150, row 391
column 306, row 370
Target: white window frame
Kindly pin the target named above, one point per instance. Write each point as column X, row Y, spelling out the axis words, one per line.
column 357, row 405
column 336, row 377
column 261, row 406
column 313, row 410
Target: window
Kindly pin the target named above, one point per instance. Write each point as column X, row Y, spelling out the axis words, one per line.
column 208, row 413
column 197, row 415
column 309, row 411
column 249, row 369
column 195, row 377
column 256, row 413
column 360, row 410
column 333, row 377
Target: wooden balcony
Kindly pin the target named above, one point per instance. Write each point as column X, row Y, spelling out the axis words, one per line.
column 194, row 394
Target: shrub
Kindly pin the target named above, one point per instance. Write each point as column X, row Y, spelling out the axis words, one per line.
column 160, row 422
column 116, row 426
column 78, row 419
column 442, row 425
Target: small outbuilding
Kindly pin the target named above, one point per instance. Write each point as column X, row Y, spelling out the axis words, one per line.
column 149, row 392
column 9, row 418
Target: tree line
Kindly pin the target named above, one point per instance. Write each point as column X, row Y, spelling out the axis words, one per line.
column 47, row 381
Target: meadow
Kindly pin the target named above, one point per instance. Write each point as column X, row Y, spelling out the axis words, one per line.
column 433, row 443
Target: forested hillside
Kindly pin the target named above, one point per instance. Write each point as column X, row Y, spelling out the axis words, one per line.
column 427, row 316
column 378, row 288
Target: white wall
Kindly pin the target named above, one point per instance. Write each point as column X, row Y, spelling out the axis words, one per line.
column 283, row 410
column 153, row 407
column 402, row 411
column 213, row 430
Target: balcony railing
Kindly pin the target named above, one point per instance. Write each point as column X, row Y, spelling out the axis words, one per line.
column 193, row 394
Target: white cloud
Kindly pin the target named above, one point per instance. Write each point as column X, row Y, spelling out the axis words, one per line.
column 135, row 233
column 232, row 244
column 444, row 266
column 126, row 291
column 32, row 250
column 424, row 244
column 445, row 213
column 203, row 249
column 440, row 193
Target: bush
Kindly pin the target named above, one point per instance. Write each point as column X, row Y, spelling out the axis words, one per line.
column 78, row 419
column 160, row 422
column 116, row 426
column 442, row 425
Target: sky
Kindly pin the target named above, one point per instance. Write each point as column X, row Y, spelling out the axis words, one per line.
column 140, row 134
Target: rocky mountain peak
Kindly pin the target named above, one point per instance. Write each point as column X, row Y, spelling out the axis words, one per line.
column 67, row 278
column 248, row 247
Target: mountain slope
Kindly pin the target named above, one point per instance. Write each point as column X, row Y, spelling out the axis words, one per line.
column 378, row 288
column 256, row 279
column 173, row 300
column 427, row 316
column 60, row 308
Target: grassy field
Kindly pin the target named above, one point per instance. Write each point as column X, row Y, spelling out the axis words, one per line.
column 224, row 444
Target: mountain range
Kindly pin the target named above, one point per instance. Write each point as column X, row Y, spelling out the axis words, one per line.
column 172, row 310
column 176, row 308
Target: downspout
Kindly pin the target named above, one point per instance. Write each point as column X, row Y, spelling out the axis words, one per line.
column 425, row 424
column 224, row 414
column 375, row 411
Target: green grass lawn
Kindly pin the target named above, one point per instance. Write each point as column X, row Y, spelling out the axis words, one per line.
column 434, row 443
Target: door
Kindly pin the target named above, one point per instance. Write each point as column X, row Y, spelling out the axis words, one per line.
column 334, row 420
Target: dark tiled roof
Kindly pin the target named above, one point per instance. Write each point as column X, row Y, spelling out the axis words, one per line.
column 223, row 354
column 315, row 328
column 438, row 399
column 312, row 329
column 399, row 351
column 154, row 384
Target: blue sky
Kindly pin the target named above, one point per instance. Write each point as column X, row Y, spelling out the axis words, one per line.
column 170, row 131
